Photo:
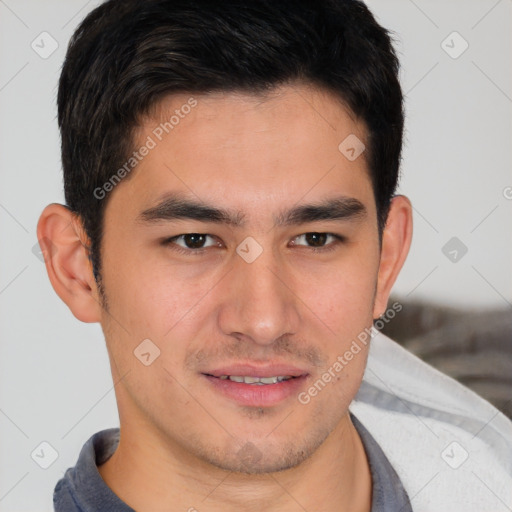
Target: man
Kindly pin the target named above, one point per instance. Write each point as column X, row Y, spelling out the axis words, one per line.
column 229, row 171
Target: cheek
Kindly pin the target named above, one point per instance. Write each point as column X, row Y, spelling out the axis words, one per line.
column 342, row 307
column 341, row 295
column 148, row 295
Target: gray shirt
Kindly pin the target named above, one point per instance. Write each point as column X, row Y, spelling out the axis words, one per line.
column 83, row 490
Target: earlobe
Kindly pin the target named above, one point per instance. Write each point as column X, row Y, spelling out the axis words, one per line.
column 64, row 246
column 396, row 240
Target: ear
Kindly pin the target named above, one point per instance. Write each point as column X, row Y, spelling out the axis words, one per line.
column 396, row 240
column 65, row 249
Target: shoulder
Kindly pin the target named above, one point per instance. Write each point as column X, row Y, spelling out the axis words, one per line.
column 82, row 487
column 451, row 448
column 63, row 497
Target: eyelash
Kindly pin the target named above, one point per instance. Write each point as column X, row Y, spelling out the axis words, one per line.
column 189, row 252
column 324, row 249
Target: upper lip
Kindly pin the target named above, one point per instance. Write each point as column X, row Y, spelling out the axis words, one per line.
column 251, row 370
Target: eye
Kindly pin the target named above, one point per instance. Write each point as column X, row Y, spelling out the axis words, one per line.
column 192, row 242
column 320, row 242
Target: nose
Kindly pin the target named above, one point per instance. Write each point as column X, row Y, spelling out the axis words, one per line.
column 259, row 303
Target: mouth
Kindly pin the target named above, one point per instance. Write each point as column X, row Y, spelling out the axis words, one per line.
column 257, row 387
column 257, row 381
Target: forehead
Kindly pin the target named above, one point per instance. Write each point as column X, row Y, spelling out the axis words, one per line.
column 295, row 114
column 249, row 149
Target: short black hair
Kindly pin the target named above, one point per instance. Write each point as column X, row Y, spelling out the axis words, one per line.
column 126, row 55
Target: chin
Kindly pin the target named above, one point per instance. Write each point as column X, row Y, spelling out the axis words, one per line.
column 261, row 456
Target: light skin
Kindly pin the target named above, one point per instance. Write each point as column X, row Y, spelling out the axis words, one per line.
column 183, row 443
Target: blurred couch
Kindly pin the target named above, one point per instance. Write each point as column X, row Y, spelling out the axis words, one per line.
column 474, row 347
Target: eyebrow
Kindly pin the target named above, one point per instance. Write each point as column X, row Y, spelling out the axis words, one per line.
column 175, row 207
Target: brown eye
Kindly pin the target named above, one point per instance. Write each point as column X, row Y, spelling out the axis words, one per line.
column 318, row 242
column 194, row 240
column 316, row 239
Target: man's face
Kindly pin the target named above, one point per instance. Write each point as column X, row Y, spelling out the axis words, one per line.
column 256, row 292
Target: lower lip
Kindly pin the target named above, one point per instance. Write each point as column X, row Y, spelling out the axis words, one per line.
column 257, row 395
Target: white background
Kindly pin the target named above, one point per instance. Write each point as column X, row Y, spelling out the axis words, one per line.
column 55, row 384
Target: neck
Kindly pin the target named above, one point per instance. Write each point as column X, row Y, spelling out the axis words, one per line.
column 150, row 474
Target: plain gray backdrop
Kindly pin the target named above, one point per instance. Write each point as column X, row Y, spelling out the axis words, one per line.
column 55, row 383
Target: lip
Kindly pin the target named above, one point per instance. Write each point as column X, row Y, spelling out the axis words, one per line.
column 255, row 395
column 251, row 370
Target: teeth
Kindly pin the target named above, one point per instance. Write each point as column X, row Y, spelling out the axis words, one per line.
column 249, row 380
column 256, row 380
